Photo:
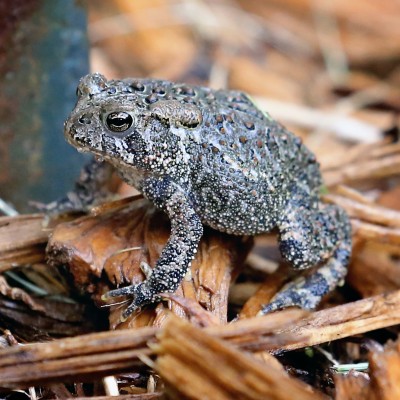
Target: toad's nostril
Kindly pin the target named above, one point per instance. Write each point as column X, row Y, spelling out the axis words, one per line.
column 85, row 119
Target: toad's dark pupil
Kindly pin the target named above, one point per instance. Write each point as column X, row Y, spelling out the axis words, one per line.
column 119, row 121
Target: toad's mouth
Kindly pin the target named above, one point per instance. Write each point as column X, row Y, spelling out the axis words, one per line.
column 95, row 146
column 84, row 145
column 84, row 140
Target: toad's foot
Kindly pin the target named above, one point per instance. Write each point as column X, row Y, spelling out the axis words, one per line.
column 307, row 292
column 141, row 294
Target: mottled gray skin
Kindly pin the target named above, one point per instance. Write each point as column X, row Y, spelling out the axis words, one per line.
column 211, row 157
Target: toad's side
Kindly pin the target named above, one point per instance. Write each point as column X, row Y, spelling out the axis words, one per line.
column 211, row 157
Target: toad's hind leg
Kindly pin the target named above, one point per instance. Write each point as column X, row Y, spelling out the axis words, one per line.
column 318, row 237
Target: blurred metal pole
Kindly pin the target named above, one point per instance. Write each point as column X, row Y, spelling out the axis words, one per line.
column 43, row 53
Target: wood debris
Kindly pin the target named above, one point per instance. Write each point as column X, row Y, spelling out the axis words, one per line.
column 384, row 375
column 104, row 353
column 22, row 240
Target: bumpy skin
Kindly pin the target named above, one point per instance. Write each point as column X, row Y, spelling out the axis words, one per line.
column 211, row 157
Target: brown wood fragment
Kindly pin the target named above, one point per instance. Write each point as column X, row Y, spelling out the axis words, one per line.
column 364, row 170
column 367, row 212
column 352, row 155
column 74, row 359
column 262, row 333
column 390, row 198
column 195, row 312
column 385, row 372
column 19, row 294
column 374, row 270
column 57, row 319
column 367, row 231
column 347, row 320
column 187, row 360
column 21, row 231
column 352, row 194
column 363, row 162
column 22, row 240
column 105, row 353
column 352, row 386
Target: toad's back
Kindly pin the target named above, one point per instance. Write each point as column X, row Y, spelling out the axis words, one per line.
column 243, row 164
column 238, row 165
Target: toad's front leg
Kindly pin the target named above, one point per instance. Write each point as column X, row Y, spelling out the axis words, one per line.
column 174, row 261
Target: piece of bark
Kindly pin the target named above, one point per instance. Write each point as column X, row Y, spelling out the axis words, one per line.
column 18, row 294
column 362, row 163
column 347, row 320
column 384, row 377
column 117, row 241
column 22, row 240
column 390, row 198
column 323, row 326
column 199, row 366
column 331, row 161
column 374, row 270
column 55, row 318
column 352, row 386
column 100, row 354
column 263, row 333
column 364, row 171
column 74, row 359
column 385, row 372
column 381, row 234
column 373, row 213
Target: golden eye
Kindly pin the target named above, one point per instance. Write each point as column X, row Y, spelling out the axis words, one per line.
column 119, row 121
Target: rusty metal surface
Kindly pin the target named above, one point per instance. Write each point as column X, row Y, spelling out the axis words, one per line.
column 43, row 52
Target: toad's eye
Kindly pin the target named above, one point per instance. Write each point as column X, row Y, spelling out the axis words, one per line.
column 119, row 121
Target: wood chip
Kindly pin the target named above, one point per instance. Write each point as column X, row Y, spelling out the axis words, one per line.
column 187, row 357
column 22, row 240
column 385, row 372
column 364, row 171
column 384, row 377
column 351, row 386
column 373, row 213
column 347, row 320
column 374, row 270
